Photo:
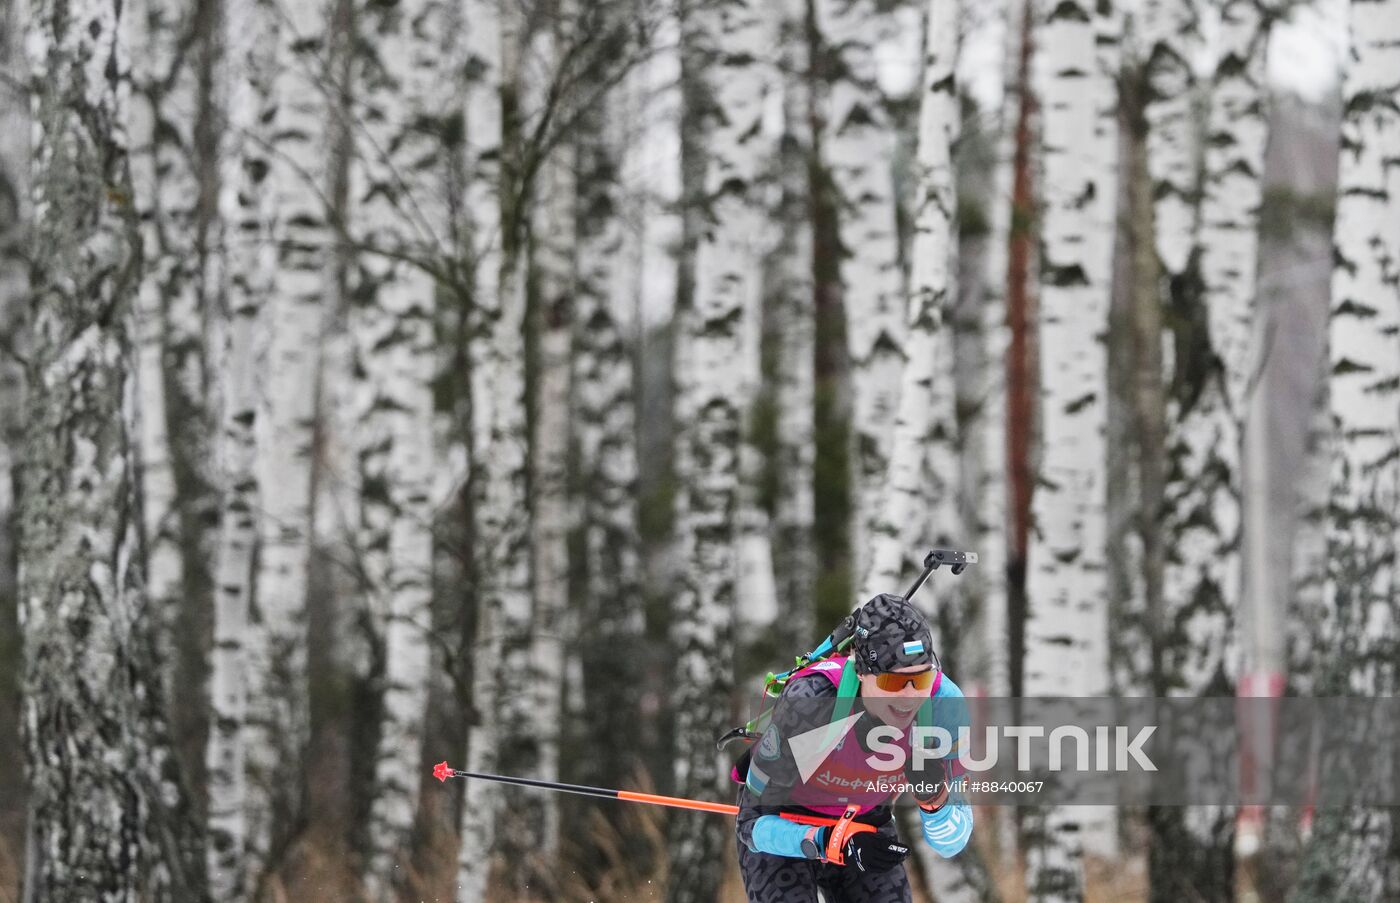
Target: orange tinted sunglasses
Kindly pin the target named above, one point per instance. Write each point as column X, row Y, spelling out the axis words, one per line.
column 893, row 682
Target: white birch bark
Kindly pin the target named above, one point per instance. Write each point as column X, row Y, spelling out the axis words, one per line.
column 727, row 282
column 1067, row 625
column 1355, row 643
column 502, row 534
column 500, row 448
column 1202, row 581
column 756, row 589
column 1365, row 357
column 794, row 554
column 107, row 810
column 1169, row 39
column 170, row 329
column 242, row 272
column 926, row 415
column 400, row 223
column 921, row 486
column 554, row 242
column 858, row 145
column 1236, row 134
column 1202, row 578
column 277, row 720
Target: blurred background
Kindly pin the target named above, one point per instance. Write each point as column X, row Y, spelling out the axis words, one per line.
column 516, row 382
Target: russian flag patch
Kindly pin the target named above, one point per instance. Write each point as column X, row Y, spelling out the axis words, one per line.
column 914, row 648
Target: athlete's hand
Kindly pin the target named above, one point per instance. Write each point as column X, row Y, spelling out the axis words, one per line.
column 931, row 786
column 871, row 851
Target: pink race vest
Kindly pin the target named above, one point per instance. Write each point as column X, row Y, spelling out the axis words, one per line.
column 844, row 778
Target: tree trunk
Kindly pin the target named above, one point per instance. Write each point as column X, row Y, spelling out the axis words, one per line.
column 1206, row 420
column 108, row 814
column 711, row 384
column 278, row 719
column 240, row 275
column 400, row 223
column 1351, row 854
column 1067, row 630
column 164, row 194
column 609, row 248
column 168, row 109
column 500, row 549
column 922, row 484
column 1211, row 559
column 554, row 241
column 925, row 411
column 1020, row 357
column 794, row 554
column 15, row 238
column 1169, row 39
column 983, row 649
column 858, row 145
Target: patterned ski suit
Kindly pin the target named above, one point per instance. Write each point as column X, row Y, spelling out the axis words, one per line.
column 770, row 860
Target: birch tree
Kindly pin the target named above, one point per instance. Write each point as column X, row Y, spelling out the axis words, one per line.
column 500, row 443
column 985, row 438
column 1067, row 630
column 1134, row 641
column 106, row 801
column 164, row 277
column 14, row 292
column 920, row 486
column 1202, row 579
column 609, row 240
column 1169, row 36
column 1351, row 853
column 794, row 553
column 925, row 412
column 984, row 647
column 1207, row 405
column 730, row 42
column 554, row 247
column 277, row 720
column 400, row 224
column 243, row 272
column 858, row 145
column 1228, row 241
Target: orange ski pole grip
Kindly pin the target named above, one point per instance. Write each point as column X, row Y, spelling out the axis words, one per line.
column 845, row 827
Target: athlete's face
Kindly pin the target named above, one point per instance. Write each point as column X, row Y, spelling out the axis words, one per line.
column 898, row 707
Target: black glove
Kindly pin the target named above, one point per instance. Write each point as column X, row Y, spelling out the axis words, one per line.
column 931, row 786
column 871, row 851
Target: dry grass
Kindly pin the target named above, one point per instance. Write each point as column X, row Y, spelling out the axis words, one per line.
column 11, row 858
column 629, row 861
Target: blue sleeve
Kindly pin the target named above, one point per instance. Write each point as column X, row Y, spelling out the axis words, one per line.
column 949, row 828
column 780, row 837
column 950, row 710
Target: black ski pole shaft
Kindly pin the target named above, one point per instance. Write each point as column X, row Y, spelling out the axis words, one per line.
column 956, row 561
column 442, row 771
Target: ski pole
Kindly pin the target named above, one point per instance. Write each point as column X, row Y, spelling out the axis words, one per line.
column 442, row 771
column 843, row 827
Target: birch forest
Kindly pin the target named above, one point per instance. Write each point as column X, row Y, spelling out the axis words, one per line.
column 516, row 382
